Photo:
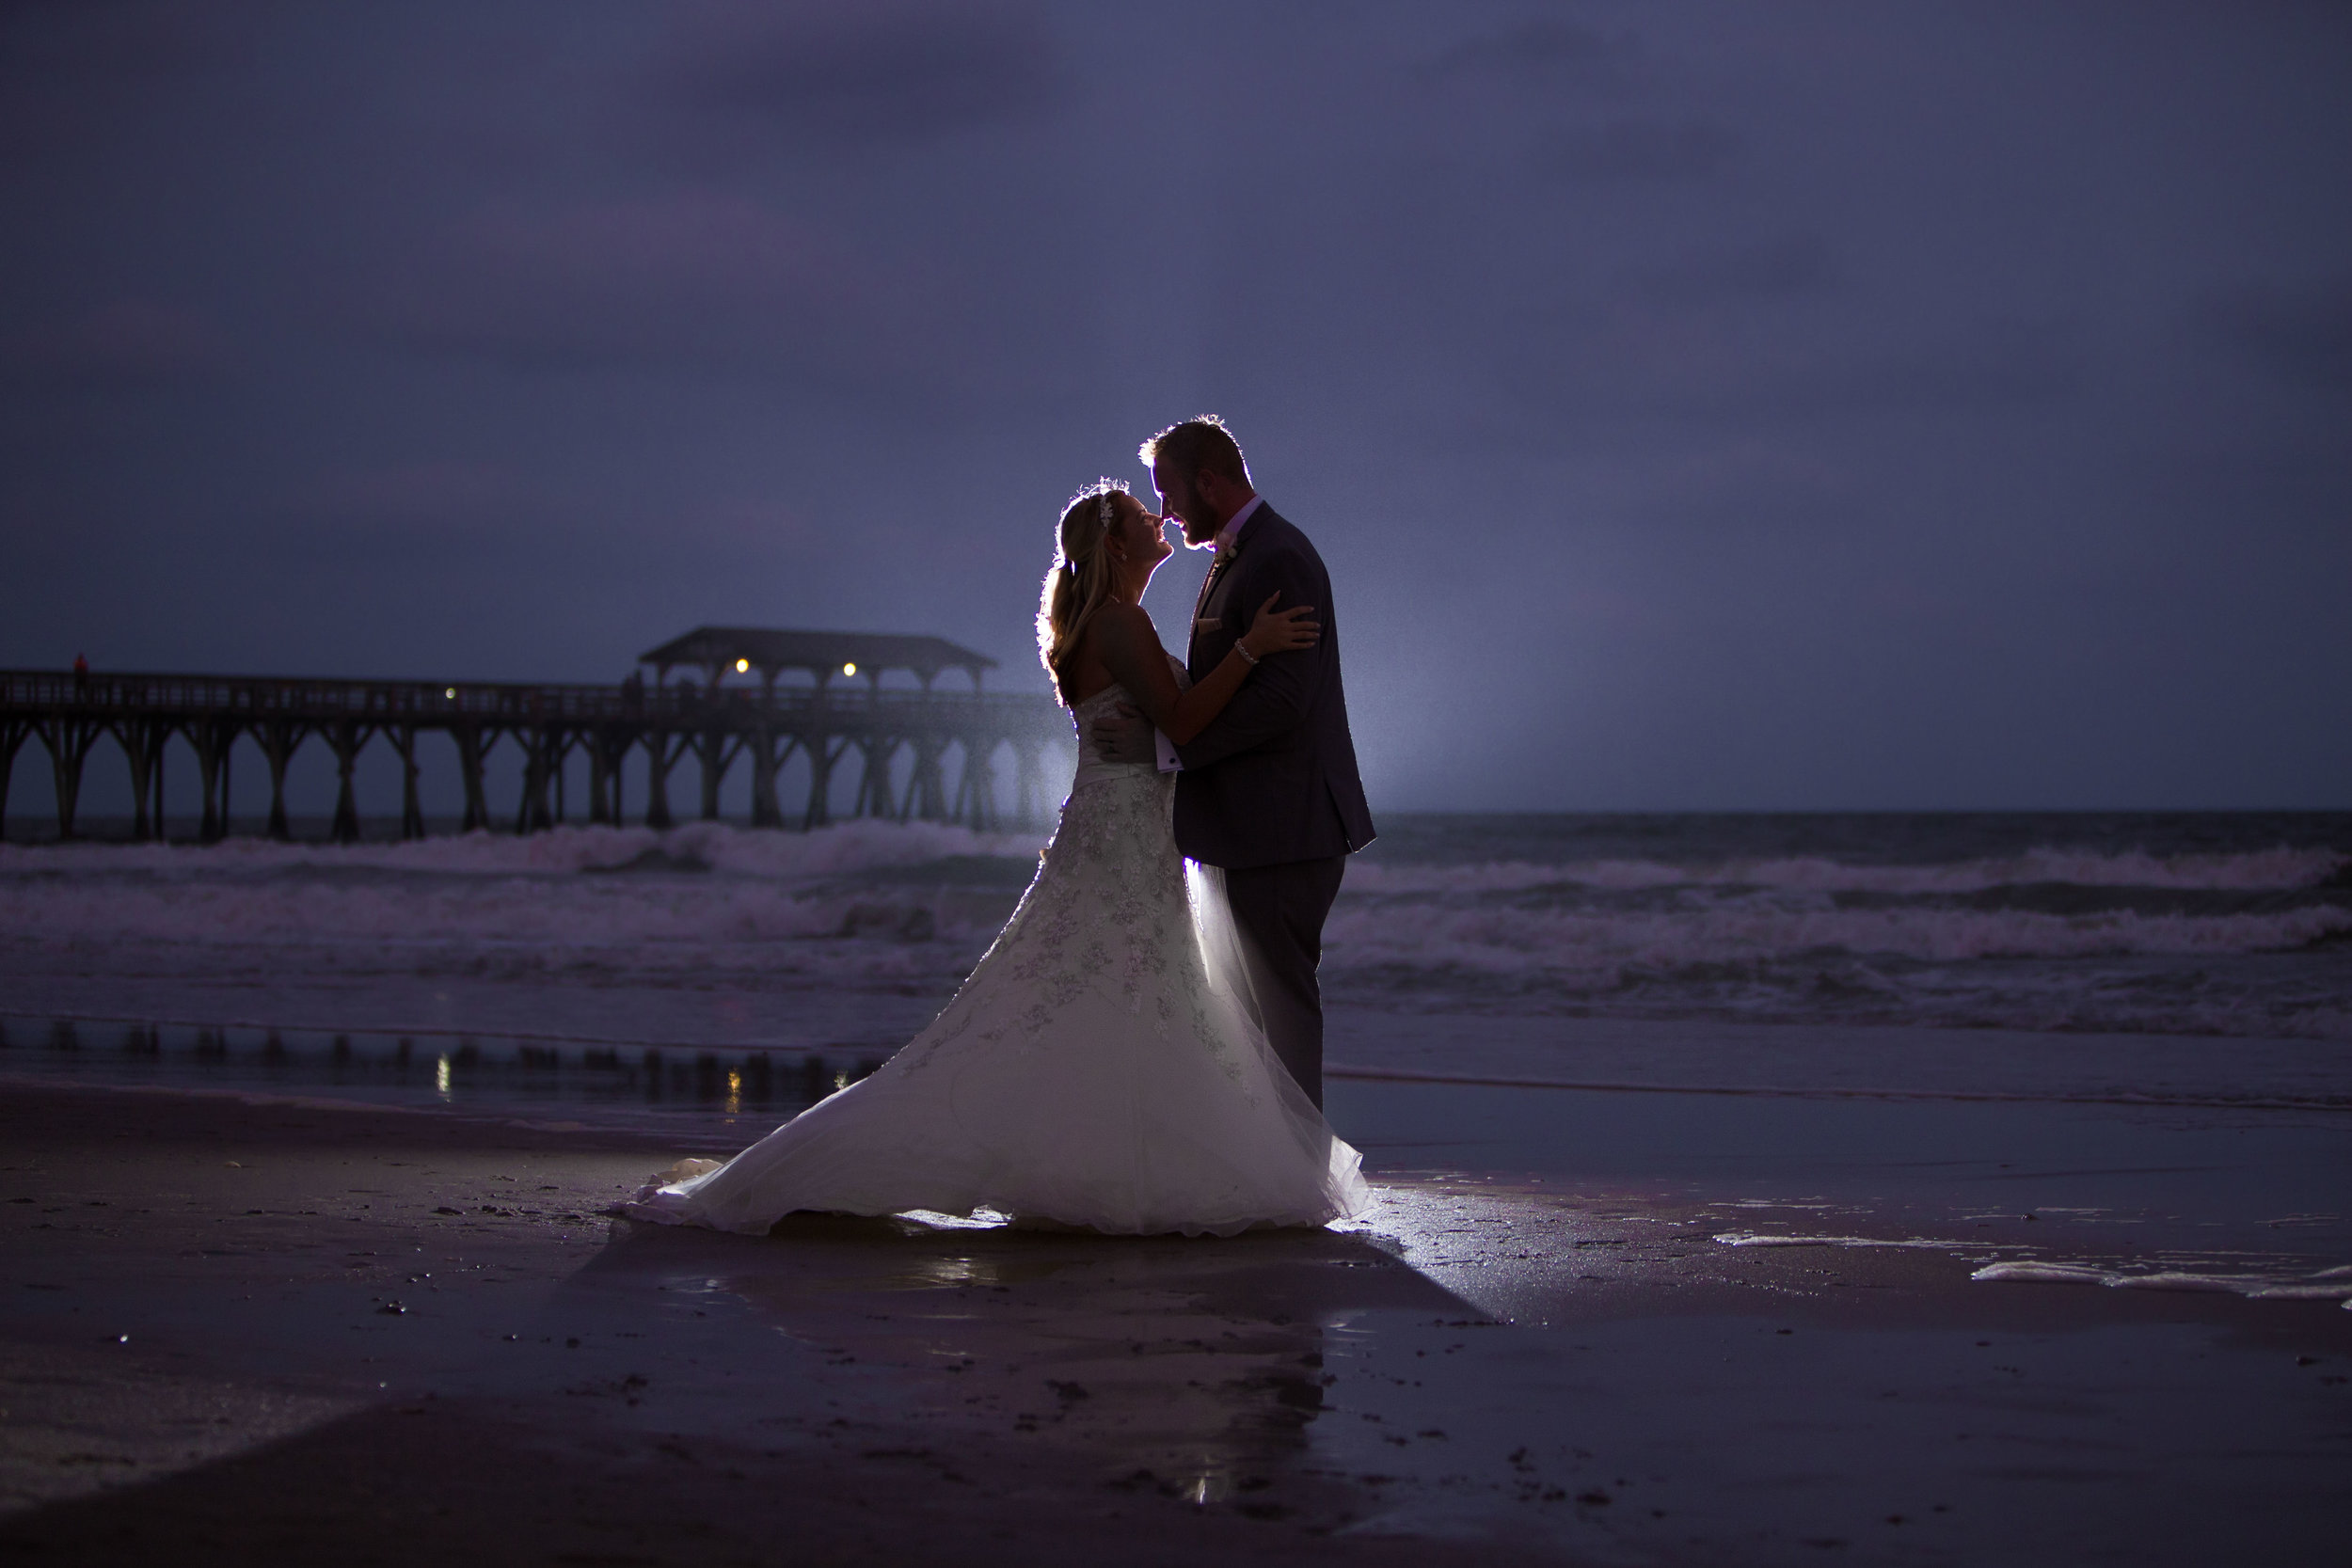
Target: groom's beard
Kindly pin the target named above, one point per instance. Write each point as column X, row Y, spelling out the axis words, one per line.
column 1191, row 507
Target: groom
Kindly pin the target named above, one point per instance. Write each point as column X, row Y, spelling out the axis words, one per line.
column 1269, row 791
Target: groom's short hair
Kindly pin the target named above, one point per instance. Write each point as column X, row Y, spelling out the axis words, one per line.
column 1194, row 445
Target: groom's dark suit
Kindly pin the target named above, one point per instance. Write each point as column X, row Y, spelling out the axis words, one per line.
column 1269, row 790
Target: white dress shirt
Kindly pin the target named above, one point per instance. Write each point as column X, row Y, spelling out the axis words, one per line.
column 1232, row 531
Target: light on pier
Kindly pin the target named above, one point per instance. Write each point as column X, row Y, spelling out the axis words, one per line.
column 71, row 711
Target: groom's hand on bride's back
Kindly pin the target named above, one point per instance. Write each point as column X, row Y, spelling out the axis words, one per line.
column 1123, row 735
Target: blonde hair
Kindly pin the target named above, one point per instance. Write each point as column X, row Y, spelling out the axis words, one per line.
column 1079, row 583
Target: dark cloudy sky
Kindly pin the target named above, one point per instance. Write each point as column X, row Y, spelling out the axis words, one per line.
column 1699, row 405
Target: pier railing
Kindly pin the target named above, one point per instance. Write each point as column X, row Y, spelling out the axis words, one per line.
column 770, row 724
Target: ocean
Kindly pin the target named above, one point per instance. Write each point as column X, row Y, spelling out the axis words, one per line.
column 2177, row 922
column 2234, row 925
column 2138, row 1024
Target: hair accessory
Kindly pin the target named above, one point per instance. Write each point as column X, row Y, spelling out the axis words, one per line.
column 1109, row 512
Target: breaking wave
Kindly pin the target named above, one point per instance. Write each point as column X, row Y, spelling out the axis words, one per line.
column 609, row 903
column 1513, row 940
column 2253, row 943
column 849, row 847
column 2278, row 869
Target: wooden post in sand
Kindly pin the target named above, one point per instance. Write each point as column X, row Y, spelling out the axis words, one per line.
column 715, row 749
column 279, row 738
column 824, row 751
column 345, row 739
column 542, row 758
column 68, row 741
column 770, row 749
column 13, row 734
column 976, row 787
column 211, row 737
column 142, row 742
column 404, row 739
column 927, row 791
column 662, row 751
column 1026, row 783
column 474, row 742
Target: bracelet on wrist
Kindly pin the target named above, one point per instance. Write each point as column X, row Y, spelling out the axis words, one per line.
column 1247, row 657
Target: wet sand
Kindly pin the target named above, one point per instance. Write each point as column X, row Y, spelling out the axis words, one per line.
column 242, row 1330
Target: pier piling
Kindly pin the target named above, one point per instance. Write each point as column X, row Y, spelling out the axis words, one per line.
column 772, row 721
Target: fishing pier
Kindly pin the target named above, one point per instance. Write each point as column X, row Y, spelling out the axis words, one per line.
column 753, row 696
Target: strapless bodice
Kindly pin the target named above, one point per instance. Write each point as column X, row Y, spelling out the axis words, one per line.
column 1092, row 767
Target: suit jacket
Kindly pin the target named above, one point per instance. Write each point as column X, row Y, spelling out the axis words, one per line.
column 1273, row 778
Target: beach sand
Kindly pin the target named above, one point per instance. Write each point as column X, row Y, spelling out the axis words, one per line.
column 240, row 1329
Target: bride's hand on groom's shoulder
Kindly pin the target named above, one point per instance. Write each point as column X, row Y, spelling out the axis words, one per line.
column 1123, row 735
column 1278, row 631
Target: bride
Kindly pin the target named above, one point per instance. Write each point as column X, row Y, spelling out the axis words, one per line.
column 1104, row 1066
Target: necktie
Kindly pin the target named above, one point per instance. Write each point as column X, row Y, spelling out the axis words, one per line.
column 1208, row 584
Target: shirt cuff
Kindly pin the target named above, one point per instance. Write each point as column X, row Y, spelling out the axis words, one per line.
column 1169, row 761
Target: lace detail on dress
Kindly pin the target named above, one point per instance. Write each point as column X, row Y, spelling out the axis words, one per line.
column 1107, row 907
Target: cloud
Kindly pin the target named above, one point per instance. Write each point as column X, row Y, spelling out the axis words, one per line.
column 1750, row 482
column 1773, row 269
column 705, row 279
column 446, row 493
column 1634, row 151
column 77, row 73
column 427, row 515
column 1544, row 47
column 126, row 343
column 2302, row 336
column 84, row 43
column 1989, row 364
column 890, row 73
column 1593, row 365
column 421, row 515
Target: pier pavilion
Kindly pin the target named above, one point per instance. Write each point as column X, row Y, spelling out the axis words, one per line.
column 762, row 697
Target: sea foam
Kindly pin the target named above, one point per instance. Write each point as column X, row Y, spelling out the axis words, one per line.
column 2249, row 943
column 2278, row 869
column 848, row 846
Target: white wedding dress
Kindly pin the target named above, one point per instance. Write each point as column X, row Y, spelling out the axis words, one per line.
column 1102, row 1067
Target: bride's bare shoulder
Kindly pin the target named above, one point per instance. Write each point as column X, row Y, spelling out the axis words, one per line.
column 1118, row 612
column 1109, row 646
column 1124, row 628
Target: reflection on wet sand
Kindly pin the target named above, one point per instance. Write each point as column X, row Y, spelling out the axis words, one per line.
column 697, row 1092
column 200, row 1284
column 1193, row 1369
